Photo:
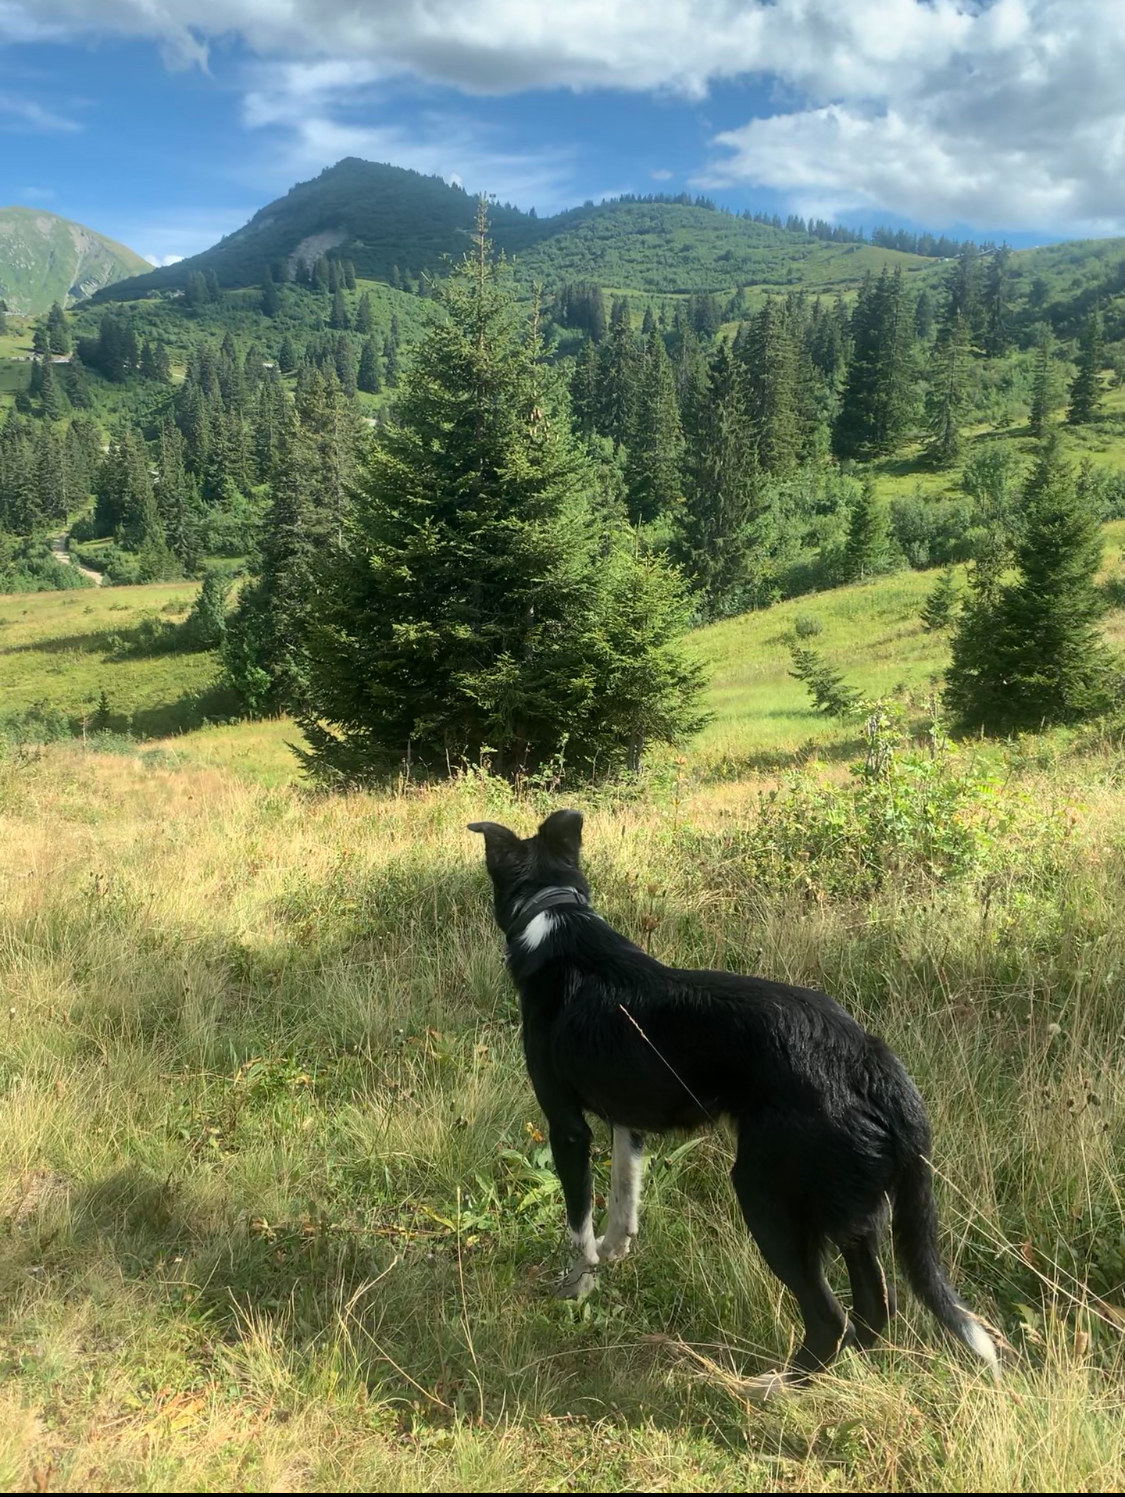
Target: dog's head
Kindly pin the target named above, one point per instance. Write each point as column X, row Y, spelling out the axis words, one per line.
column 522, row 866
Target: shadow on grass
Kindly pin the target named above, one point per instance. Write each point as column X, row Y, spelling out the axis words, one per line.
column 193, row 710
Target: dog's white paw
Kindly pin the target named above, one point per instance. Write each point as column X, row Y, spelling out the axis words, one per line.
column 577, row 1282
column 611, row 1250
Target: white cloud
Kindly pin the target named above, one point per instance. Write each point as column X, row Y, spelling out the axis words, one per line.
column 1010, row 112
column 18, row 113
column 323, row 110
column 661, row 174
column 161, row 260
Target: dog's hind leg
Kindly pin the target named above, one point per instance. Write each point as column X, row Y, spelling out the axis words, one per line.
column 570, row 1146
column 795, row 1253
column 873, row 1298
column 624, row 1195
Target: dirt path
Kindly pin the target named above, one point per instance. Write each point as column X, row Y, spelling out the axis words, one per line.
column 59, row 547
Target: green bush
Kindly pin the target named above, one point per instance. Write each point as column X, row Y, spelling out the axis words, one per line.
column 905, row 819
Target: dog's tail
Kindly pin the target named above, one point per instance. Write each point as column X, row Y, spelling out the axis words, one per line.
column 916, row 1246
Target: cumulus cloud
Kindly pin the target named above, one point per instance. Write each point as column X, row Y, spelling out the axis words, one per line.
column 324, row 111
column 984, row 111
column 160, row 260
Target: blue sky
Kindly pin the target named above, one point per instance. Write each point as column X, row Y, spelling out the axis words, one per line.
column 167, row 123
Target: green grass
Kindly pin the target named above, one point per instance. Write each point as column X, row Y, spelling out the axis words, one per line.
column 59, row 651
column 276, row 1210
column 277, row 1214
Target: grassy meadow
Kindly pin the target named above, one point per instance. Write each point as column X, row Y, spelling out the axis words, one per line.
column 276, row 1211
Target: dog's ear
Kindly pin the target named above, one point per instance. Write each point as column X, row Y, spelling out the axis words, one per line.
column 562, row 833
column 497, row 839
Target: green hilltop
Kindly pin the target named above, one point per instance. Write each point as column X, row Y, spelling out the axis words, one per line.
column 44, row 259
column 396, row 224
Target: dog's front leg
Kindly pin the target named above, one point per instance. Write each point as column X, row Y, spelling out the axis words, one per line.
column 570, row 1145
column 624, row 1195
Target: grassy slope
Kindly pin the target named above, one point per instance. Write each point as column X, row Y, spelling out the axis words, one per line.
column 276, row 1213
column 44, row 258
column 277, row 1216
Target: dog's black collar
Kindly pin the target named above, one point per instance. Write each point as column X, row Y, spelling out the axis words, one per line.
column 553, row 898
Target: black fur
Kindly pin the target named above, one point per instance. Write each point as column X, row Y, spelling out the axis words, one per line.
column 829, row 1126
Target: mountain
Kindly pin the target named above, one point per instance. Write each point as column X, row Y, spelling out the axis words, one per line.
column 44, row 258
column 395, row 223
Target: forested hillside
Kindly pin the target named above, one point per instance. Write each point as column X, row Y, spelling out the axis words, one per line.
column 776, row 408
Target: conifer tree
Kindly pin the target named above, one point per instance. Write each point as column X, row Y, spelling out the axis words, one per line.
column 1031, row 652
column 339, row 317
column 58, row 334
column 3, row 318
column 876, row 406
column 177, row 499
column 344, row 362
column 287, row 355
column 868, row 551
column 1085, row 389
column 584, row 388
column 656, row 441
column 364, row 316
column 51, row 397
column 370, row 378
column 1043, row 390
column 476, row 607
column 349, row 275
column 946, row 398
column 77, row 384
column 271, row 298
column 997, row 304
column 263, row 647
column 941, row 603
column 714, row 541
column 769, row 359
column 390, row 362
column 618, row 372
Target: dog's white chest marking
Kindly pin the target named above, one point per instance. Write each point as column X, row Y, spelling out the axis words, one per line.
column 537, row 931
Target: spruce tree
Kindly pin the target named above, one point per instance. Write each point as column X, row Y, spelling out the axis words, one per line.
column 3, row 318
column 619, row 365
column 941, row 603
column 1085, row 389
column 877, row 402
column 369, row 378
column 339, row 317
column 769, row 359
column 656, row 441
column 868, row 550
column 364, row 316
column 263, row 644
column 271, row 299
column 714, row 540
column 58, row 333
column 946, row 398
column 1043, row 391
column 997, row 307
column 287, row 357
column 1031, row 652
column 51, row 397
column 476, row 606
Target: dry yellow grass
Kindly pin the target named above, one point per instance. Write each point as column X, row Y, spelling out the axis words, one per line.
column 276, row 1216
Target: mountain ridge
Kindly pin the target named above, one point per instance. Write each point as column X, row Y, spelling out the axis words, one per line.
column 46, row 258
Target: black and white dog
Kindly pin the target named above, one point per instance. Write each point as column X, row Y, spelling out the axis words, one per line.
column 829, row 1126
